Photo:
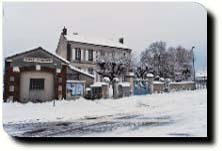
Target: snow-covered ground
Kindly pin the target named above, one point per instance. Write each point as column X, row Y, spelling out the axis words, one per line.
column 180, row 114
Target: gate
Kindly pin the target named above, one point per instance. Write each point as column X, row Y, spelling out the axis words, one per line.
column 140, row 87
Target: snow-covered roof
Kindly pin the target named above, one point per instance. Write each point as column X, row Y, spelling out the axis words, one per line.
column 131, row 74
column 37, row 48
column 182, row 82
column 157, row 82
column 124, row 84
column 150, row 75
column 81, row 71
column 88, row 89
column 98, row 84
column 162, row 79
column 116, row 79
column 96, row 41
column 106, row 79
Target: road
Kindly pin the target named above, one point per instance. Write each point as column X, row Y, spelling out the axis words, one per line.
column 88, row 126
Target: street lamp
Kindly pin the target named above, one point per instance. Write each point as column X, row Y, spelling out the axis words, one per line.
column 193, row 64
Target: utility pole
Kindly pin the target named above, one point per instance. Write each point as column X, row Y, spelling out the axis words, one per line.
column 193, row 64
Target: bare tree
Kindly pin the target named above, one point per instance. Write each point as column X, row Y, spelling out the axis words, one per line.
column 113, row 65
column 172, row 63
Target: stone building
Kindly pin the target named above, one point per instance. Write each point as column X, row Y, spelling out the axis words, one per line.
column 39, row 75
column 83, row 52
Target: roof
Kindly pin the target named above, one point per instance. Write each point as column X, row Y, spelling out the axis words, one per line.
column 96, row 41
column 38, row 48
column 98, row 84
column 157, row 82
column 150, row 75
column 182, row 82
column 124, row 84
column 81, row 71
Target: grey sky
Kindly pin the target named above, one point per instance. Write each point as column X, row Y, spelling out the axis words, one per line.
column 29, row 25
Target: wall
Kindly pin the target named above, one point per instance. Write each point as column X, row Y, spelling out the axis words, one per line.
column 158, row 87
column 176, row 86
column 46, row 94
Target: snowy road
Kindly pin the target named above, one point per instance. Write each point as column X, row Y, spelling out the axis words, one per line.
column 178, row 114
column 89, row 126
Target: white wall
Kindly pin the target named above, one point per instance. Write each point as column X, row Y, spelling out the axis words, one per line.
column 46, row 94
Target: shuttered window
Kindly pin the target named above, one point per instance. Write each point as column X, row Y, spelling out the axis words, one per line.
column 78, row 54
column 90, row 55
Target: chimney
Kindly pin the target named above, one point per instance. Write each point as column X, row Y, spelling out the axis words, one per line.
column 121, row 40
column 64, row 31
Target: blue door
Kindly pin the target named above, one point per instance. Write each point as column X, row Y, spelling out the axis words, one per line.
column 140, row 87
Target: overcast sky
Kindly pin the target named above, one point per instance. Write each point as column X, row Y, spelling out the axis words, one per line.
column 29, row 25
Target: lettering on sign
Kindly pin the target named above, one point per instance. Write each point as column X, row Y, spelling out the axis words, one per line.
column 38, row 60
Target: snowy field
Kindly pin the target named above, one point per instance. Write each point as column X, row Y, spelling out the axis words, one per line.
column 176, row 114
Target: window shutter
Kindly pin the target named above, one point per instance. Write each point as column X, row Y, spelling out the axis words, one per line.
column 81, row 54
column 87, row 55
column 94, row 55
column 73, row 54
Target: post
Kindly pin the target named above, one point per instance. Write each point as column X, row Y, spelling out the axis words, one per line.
column 193, row 64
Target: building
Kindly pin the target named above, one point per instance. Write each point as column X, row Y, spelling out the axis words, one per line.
column 39, row 75
column 84, row 52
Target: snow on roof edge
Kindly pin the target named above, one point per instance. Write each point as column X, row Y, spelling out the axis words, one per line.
column 51, row 53
column 102, row 42
column 81, row 71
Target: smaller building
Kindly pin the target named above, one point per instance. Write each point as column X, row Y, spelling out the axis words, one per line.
column 38, row 75
column 99, row 90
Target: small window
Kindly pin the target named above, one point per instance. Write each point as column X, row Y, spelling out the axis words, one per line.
column 78, row 54
column 36, row 84
column 11, row 88
column 90, row 55
column 12, row 78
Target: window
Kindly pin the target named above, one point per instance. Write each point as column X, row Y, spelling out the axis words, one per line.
column 90, row 55
column 73, row 54
column 12, row 78
column 78, row 54
column 11, row 88
column 102, row 53
column 90, row 70
column 36, row 84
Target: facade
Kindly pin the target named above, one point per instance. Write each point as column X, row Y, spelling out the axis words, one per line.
column 38, row 75
column 84, row 52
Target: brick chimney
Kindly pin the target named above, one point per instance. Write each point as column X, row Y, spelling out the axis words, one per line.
column 121, row 40
column 64, row 31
